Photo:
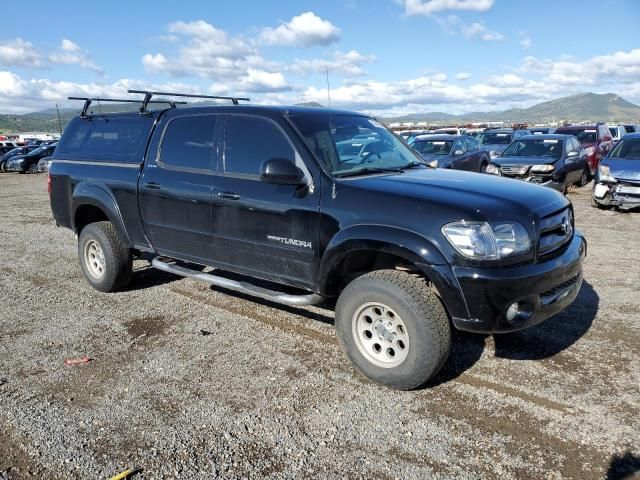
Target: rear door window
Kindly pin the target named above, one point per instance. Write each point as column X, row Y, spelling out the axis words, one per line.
column 249, row 141
column 187, row 143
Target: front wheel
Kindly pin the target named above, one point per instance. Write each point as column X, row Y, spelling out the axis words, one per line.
column 393, row 328
column 106, row 262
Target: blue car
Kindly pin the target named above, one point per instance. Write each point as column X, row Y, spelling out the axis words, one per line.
column 617, row 179
column 495, row 140
column 460, row 152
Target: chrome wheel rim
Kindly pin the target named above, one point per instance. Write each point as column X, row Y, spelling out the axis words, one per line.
column 94, row 259
column 380, row 335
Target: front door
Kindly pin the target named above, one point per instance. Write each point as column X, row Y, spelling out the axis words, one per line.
column 175, row 189
column 262, row 229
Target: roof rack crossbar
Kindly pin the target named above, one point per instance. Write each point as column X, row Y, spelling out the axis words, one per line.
column 148, row 94
column 89, row 100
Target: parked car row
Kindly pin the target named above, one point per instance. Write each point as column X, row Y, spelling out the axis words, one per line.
column 27, row 159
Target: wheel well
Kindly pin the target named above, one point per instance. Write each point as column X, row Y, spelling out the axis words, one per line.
column 86, row 214
column 359, row 262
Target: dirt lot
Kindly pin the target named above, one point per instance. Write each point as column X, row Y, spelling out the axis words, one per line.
column 267, row 391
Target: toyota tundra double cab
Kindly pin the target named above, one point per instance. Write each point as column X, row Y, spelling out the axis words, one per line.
column 409, row 252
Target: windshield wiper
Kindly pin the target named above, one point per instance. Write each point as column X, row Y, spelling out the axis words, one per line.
column 415, row 164
column 367, row 171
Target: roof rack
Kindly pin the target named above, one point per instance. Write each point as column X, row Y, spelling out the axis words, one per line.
column 148, row 94
column 89, row 100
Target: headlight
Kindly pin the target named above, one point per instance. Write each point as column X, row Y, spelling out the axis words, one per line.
column 434, row 164
column 494, row 153
column 605, row 174
column 493, row 169
column 487, row 241
column 542, row 168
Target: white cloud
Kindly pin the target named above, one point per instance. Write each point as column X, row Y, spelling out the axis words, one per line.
column 260, row 81
column 19, row 53
column 453, row 25
column 349, row 64
column 427, row 7
column 70, row 53
column 525, row 40
column 463, row 76
column 208, row 52
column 304, row 30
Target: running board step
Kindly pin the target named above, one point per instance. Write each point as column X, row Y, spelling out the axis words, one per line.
column 242, row 287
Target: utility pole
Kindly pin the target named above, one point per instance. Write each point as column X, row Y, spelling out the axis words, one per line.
column 59, row 121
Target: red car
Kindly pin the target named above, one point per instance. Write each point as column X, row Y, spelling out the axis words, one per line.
column 595, row 139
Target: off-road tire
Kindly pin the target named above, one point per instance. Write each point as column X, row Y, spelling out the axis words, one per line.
column 118, row 261
column 421, row 311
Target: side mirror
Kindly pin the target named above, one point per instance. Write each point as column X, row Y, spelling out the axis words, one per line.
column 281, row 171
column 572, row 154
column 457, row 153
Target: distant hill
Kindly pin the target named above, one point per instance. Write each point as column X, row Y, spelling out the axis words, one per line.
column 585, row 106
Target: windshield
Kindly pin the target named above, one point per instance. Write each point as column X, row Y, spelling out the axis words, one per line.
column 433, row 147
column 14, row 152
column 337, row 141
column 551, row 148
column 587, row 135
column 490, row 138
column 627, row 150
column 35, row 152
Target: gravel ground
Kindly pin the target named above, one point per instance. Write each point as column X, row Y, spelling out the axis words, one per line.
column 191, row 382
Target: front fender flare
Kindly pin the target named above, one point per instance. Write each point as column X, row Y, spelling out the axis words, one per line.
column 396, row 241
column 99, row 197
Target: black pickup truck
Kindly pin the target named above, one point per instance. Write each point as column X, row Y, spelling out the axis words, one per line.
column 408, row 250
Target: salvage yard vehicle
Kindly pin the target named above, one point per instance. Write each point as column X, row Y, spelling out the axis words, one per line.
column 409, row 251
column 44, row 164
column 495, row 140
column 12, row 153
column 596, row 139
column 555, row 161
column 29, row 161
column 617, row 181
column 452, row 151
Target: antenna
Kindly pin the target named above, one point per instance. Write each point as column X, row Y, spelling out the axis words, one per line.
column 328, row 89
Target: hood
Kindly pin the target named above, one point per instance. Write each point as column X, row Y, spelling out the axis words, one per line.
column 465, row 195
column 524, row 161
column 17, row 158
column 623, row 169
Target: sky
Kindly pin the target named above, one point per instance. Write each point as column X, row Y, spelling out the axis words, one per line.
column 383, row 57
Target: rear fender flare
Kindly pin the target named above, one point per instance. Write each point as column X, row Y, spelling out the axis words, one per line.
column 99, row 197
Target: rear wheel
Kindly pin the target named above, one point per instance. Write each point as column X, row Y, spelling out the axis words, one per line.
column 106, row 262
column 483, row 165
column 393, row 328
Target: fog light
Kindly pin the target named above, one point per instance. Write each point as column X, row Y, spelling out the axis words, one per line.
column 512, row 311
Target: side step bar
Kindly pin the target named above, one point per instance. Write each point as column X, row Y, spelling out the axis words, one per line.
column 242, row 287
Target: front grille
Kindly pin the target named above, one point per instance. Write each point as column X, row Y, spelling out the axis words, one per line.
column 555, row 230
column 514, row 169
column 552, row 295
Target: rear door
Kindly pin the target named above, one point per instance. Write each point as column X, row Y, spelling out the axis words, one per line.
column 175, row 188
column 263, row 229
